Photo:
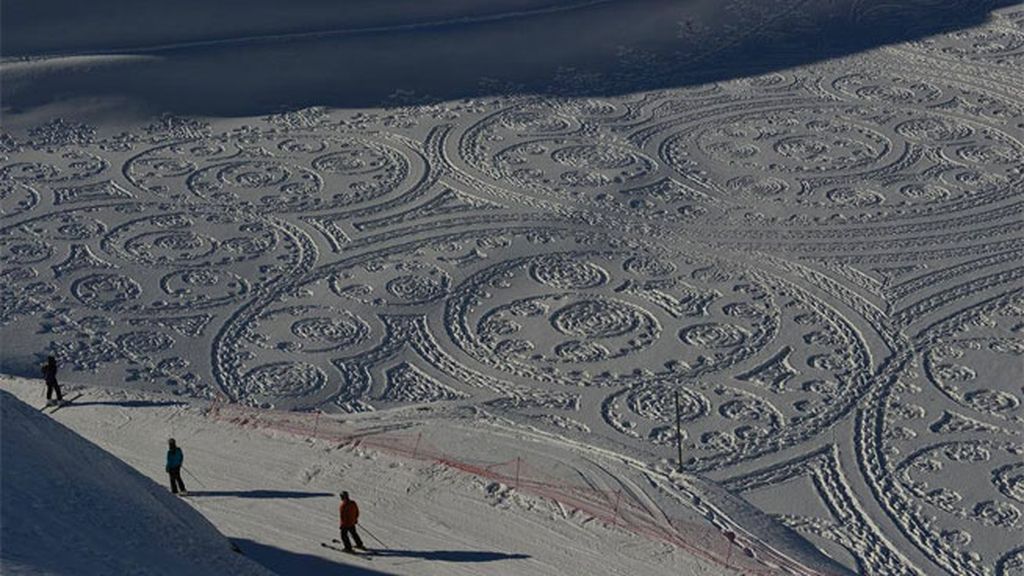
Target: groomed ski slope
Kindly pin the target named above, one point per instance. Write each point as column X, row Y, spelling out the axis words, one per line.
column 71, row 508
column 275, row 495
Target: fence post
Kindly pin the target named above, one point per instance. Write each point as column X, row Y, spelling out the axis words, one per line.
column 517, row 472
column 618, row 497
column 679, row 436
column 316, row 422
column 731, row 537
column 416, row 448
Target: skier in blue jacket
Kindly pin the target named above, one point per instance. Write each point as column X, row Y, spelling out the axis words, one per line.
column 50, row 376
column 175, row 459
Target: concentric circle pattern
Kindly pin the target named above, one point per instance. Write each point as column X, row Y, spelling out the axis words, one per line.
column 814, row 272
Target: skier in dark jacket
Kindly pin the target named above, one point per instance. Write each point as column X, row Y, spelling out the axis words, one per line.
column 50, row 376
column 175, row 459
column 349, row 512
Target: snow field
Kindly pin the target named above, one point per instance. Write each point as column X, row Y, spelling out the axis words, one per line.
column 793, row 227
column 275, row 495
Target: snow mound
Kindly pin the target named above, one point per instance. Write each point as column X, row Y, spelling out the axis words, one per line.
column 69, row 507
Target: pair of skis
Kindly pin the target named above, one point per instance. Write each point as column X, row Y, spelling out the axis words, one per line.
column 60, row 404
column 365, row 554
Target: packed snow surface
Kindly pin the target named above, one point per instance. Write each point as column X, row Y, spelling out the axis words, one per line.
column 71, row 508
column 794, row 228
column 274, row 493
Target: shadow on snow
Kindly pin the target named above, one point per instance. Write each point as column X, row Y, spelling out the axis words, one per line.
column 259, row 494
column 286, row 562
column 580, row 49
column 129, row 403
column 451, row 555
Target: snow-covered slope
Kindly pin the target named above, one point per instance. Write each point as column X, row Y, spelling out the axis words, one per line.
column 68, row 507
column 238, row 59
column 274, row 493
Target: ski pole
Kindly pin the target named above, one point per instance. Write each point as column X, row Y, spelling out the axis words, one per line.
column 370, row 534
column 198, row 481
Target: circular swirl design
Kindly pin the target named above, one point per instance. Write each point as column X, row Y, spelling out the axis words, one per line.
column 930, row 129
column 808, row 141
column 299, row 174
column 106, row 291
column 16, row 251
column 251, row 174
column 332, row 333
column 837, row 164
column 618, row 308
column 854, row 197
column 418, row 288
column 196, row 288
column 283, row 380
column 926, row 192
column 950, row 463
column 990, row 154
column 66, row 166
column 266, row 183
column 16, row 199
column 566, row 274
column 597, row 328
column 658, row 403
column 917, row 93
column 995, row 45
column 949, row 369
column 1009, row 480
column 170, row 247
column 355, row 159
column 312, row 329
column 647, row 265
column 534, row 121
column 561, row 163
column 713, row 335
column 599, row 319
column 173, row 239
column 890, row 90
column 145, row 342
column 757, row 188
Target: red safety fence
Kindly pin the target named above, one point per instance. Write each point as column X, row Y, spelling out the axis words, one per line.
column 717, row 542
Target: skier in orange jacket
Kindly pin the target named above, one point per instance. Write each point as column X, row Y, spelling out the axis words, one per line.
column 348, row 510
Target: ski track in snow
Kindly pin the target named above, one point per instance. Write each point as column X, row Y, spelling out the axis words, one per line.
column 824, row 262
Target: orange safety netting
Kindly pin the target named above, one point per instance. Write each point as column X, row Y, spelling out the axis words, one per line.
column 728, row 548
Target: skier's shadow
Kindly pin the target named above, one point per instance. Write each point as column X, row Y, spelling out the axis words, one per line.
column 130, row 403
column 451, row 555
column 287, row 562
column 259, row 494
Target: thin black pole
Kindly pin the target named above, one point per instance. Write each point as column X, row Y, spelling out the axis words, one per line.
column 367, row 531
column 679, row 435
column 189, row 472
